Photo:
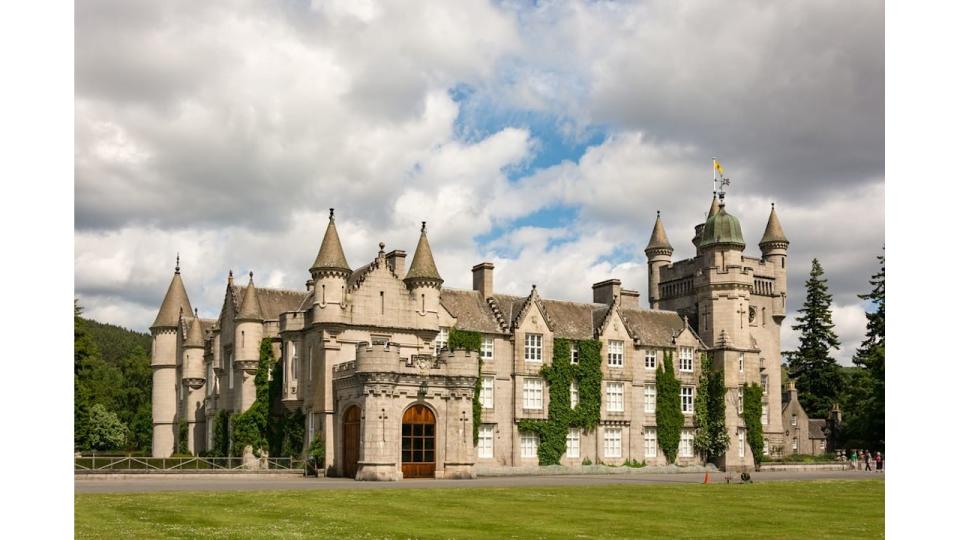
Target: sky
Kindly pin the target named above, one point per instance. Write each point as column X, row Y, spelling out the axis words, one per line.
column 540, row 136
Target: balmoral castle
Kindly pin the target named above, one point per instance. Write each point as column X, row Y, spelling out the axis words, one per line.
column 364, row 356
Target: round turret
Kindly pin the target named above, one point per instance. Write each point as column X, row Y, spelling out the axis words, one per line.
column 722, row 229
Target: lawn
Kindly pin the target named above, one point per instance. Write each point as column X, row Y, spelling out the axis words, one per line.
column 802, row 509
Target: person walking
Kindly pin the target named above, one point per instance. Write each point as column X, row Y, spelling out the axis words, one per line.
column 867, row 461
column 879, row 462
column 858, row 459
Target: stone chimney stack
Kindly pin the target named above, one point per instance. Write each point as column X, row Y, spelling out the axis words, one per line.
column 483, row 279
column 630, row 298
column 397, row 260
column 607, row 291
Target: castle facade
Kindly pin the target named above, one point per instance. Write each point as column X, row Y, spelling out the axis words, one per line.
column 365, row 357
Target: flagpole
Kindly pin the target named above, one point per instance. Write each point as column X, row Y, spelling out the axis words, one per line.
column 714, row 176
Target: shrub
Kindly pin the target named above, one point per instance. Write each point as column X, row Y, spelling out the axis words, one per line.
column 105, row 431
column 752, row 395
column 586, row 461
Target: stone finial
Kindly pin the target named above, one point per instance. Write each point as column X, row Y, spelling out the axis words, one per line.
column 331, row 214
column 176, row 269
column 423, row 226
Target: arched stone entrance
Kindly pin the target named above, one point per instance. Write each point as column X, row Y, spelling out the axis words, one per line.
column 351, row 441
column 418, row 442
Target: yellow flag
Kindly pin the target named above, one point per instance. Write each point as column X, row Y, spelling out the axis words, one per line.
column 718, row 167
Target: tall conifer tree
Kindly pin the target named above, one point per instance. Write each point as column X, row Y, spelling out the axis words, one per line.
column 871, row 356
column 816, row 373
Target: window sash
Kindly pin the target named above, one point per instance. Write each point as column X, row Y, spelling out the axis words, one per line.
column 528, row 445
column 686, row 443
column 741, row 451
column 573, row 443
column 650, row 398
column 486, row 348
column 533, row 347
column 486, row 392
column 574, row 394
column 686, row 359
column 650, row 360
column 574, row 354
column 615, row 397
column 611, row 442
column 686, row 399
column 650, row 442
column 485, row 442
column 615, row 353
column 533, row 394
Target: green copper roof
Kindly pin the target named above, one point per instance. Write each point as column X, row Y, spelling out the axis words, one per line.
column 722, row 228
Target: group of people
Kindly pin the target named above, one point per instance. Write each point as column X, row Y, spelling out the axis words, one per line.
column 864, row 460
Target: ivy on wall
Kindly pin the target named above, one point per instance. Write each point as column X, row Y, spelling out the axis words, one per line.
column 711, row 439
column 465, row 339
column 250, row 426
column 752, row 409
column 669, row 415
column 221, row 434
column 182, row 437
column 560, row 416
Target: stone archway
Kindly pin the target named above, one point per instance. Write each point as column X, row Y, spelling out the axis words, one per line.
column 351, row 441
column 418, row 449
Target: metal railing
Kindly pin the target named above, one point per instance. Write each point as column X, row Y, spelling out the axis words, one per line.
column 121, row 464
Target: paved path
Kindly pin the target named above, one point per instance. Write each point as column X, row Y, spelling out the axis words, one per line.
column 247, row 483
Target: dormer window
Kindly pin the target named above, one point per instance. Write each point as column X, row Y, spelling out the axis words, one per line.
column 686, row 359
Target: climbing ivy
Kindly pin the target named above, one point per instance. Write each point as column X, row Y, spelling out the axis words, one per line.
column 669, row 415
column 559, row 374
column 182, row 437
column 465, row 339
column 752, row 409
column 711, row 439
column 221, row 431
column 251, row 426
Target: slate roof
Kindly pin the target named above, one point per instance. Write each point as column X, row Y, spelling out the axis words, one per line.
column 571, row 320
column 471, row 311
column 816, row 428
column 652, row 327
column 175, row 300
column 273, row 302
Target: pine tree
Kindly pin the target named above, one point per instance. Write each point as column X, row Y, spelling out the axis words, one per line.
column 871, row 356
column 816, row 373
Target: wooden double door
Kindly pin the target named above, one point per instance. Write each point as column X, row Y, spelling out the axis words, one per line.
column 418, row 442
column 351, row 441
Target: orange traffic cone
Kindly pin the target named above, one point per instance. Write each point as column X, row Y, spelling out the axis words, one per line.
column 706, row 477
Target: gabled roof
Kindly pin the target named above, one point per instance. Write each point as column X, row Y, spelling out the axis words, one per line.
column 816, row 427
column 571, row 320
column 471, row 311
column 652, row 327
column 423, row 265
column 330, row 256
column 174, row 302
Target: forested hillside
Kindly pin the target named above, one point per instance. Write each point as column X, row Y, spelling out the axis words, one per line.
column 112, row 386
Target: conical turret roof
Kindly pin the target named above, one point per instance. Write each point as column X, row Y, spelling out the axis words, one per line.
column 175, row 301
column 774, row 231
column 658, row 238
column 331, row 255
column 423, row 266
column 195, row 333
column 250, row 306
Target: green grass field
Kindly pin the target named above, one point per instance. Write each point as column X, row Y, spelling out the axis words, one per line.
column 802, row 509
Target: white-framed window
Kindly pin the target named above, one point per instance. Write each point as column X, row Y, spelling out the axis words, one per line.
column 766, row 447
column 741, row 447
column 486, row 392
column 823, row 444
column 442, row 339
column 686, row 359
column 533, row 393
column 615, row 353
column 649, row 442
column 686, row 399
column 611, row 442
column 650, row 398
column 763, row 383
column 486, row 348
column 650, row 359
column 795, row 449
column 793, row 419
column 740, row 361
column 528, row 444
column 485, row 441
column 533, row 347
column 763, row 414
column 574, row 394
column 740, row 400
column 573, row 443
column 686, row 443
column 574, row 353
column 615, row 396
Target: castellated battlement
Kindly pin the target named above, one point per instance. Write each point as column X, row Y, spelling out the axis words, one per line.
column 460, row 363
column 377, row 358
